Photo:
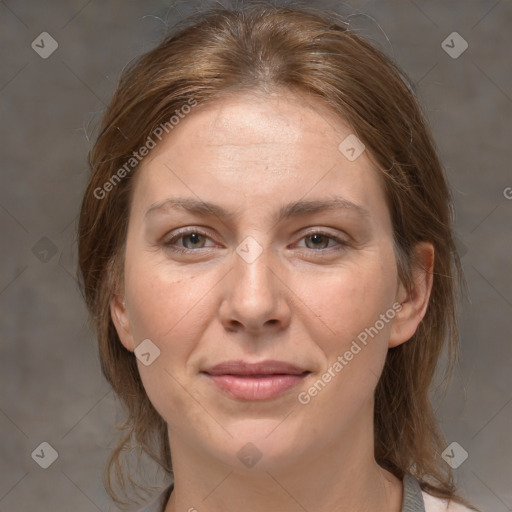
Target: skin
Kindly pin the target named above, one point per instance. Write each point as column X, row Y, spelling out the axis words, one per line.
column 302, row 300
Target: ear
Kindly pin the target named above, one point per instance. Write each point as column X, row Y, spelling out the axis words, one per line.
column 121, row 319
column 414, row 301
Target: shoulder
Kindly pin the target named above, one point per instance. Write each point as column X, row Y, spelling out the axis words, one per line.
column 433, row 504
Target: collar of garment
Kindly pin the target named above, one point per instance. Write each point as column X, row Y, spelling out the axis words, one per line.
column 412, row 500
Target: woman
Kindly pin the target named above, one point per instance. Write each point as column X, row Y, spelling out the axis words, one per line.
column 266, row 249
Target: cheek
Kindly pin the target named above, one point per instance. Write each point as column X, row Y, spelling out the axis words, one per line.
column 168, row 307
column 351, row 305
column 162, row 299
column 350, row 299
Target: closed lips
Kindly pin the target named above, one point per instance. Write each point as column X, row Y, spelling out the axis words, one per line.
column 254, row 382
column 262, row 369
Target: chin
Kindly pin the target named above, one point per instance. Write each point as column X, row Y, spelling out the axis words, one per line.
column 258, row 446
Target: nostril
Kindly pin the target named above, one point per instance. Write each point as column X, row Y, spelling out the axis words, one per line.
column 234, row 325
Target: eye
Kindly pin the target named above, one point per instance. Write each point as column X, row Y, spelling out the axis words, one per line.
column 193, row 239
column 318, row 241
column 190, row 240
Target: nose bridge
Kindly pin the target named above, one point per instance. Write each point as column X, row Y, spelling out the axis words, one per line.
column 252, row 262
column 254, row 295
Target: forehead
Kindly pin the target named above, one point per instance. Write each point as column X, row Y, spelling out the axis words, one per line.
column 255, row 147
column 256, row 122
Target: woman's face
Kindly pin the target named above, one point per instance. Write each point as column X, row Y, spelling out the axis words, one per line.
column 253, row 237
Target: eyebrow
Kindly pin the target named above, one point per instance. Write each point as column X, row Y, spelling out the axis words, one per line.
column 294, row 209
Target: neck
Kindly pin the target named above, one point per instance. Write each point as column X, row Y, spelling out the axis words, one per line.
column 344, row 476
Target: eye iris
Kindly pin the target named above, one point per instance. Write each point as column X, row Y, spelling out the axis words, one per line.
column 195, row 238
column 319, row 241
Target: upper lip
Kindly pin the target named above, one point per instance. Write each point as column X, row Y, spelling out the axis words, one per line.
column 267, row 367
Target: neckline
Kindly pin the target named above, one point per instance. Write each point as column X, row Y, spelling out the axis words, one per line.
column 412, row 499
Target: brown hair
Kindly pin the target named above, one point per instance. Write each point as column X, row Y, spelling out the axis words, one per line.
column 265, row 48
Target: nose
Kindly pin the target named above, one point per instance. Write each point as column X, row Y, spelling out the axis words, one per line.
column 255, row 296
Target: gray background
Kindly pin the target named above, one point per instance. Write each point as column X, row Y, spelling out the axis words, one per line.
column 51, row 386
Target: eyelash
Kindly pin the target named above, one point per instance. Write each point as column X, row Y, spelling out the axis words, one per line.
column 169, row 244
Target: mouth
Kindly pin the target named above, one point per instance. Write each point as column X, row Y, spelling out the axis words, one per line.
column 255, row 381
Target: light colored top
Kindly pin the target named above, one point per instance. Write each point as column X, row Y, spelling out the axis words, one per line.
column 414, row 500
column 433, row 504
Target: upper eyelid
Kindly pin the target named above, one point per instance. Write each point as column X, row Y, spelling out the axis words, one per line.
column 204, row 232
column 185, row 232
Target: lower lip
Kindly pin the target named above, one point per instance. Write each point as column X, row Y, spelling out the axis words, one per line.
column 256, row 388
